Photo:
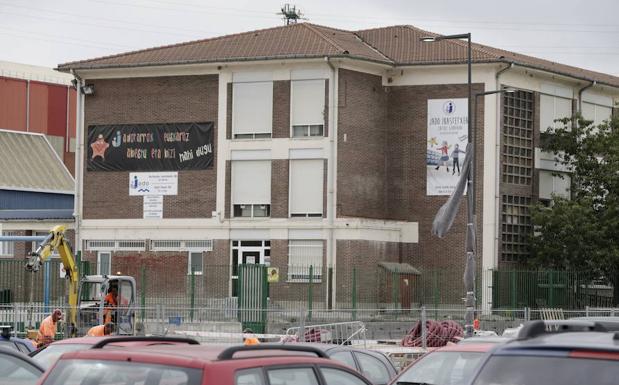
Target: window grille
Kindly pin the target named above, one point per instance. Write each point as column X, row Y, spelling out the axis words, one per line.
column 123, row 245
column 517, row 147
column 302, row 255
column 515, row 228
column 181, row 245
column 7, row 249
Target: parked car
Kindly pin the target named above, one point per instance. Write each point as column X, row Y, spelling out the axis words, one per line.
column 568, row 353
column 17, row 368
column 272, row 364
column 23, row 345
column 375, row 366
column 48, row 355
column 449, row 365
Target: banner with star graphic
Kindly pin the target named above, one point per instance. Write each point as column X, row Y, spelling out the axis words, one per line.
column 150, row 147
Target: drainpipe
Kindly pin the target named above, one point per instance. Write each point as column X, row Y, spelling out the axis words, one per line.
column 79, row 148
column 580, row 95
column 332, row 179
column 497, row 155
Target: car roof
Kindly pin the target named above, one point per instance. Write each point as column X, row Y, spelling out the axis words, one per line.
column 484, row 339
column 79, row 340
column 197, row 356
column 22, row 356
column 478, row 347
column 605, row 341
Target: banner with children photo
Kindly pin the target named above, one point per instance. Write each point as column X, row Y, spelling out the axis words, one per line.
column 447, row 139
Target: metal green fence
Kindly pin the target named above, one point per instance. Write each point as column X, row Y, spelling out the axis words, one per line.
column 316, row 288
column 554, row 289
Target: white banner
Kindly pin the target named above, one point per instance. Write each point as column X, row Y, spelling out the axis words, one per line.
column 447, row 139
column 153, row 183
column 153, row 206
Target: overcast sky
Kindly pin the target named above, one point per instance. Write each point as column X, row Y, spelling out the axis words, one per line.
column 42, row 32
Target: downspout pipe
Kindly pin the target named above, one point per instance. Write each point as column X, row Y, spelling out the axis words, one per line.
column 580, row 91
column 79, row 148
column 331, row 182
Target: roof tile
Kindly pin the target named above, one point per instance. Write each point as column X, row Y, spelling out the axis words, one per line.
column 394, row 45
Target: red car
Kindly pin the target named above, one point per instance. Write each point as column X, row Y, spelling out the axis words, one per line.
column 449, row 365
column 200, row 365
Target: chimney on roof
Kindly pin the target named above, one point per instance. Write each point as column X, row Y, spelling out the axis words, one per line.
column 291, row 14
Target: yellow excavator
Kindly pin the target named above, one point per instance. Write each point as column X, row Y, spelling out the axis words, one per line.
column 87, row 304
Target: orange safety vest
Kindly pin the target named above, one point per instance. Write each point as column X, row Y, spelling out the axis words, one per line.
column 96, row 331
column 47, row 331
column 251, row 341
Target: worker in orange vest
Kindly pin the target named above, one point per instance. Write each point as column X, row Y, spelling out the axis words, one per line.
column 249, row 338
column 111, row 302
column 47, row 330
column 101, row 330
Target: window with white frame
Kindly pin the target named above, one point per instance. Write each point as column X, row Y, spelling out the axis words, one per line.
column 195, row 263
column 307, row 105
column 104, row 263
column 553, row 182
column 251, row 188
column 7, row 249
column 303, row 254
column 252, row 110
column 306, row 187
column 596, row 112
column 551, row 108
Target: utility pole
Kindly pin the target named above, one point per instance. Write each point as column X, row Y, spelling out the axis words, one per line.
column 290, row 14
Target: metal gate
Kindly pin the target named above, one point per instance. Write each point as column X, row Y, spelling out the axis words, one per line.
column 252, row 297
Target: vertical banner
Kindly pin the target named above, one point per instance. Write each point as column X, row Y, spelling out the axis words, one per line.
column 447, row 139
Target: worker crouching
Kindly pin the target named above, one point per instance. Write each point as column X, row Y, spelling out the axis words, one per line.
column 48, row 328
column 101, row 330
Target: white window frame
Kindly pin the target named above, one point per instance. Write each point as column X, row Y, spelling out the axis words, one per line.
column 556, row 184
column 253, row 201
column 292, row 214
column 307, row 125
column 543, row 127
column 300, row 273
column 99, row 254
column 596, row 108
column 189, row 255
column 235, row 110
column 7, row 249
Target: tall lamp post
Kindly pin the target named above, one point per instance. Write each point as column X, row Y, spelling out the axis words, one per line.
column 469, row 271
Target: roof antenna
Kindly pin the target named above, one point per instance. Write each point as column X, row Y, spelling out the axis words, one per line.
column 291, row 14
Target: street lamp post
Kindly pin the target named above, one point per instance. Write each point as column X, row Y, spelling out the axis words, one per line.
column 470, row 245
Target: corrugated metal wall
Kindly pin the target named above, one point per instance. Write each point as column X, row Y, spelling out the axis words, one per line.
column 51, row 112
column 12, row 200
column 13, row 104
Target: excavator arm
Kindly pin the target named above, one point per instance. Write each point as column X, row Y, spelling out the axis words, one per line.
column 57, row 241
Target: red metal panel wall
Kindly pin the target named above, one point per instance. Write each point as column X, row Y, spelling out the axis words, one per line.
column 38, row 107
column 56, row 110
column 13, row 104
column 72, row 111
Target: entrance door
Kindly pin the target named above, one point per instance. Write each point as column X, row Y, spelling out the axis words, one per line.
column 247, row 253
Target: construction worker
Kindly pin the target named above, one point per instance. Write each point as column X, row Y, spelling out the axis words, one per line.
column 111, row 301
column 101, row 330
column 47, row 330
column 249, row 338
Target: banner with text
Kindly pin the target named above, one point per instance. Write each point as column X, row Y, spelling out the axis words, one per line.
column 447, row 139
column 150, row 147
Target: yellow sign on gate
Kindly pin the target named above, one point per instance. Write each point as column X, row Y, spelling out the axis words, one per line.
column 273, row 275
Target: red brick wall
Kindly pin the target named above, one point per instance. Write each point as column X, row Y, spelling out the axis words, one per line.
column 363, row 256
column 279, row 188
column 151, row 100
column 361, row 177
column 281, row 109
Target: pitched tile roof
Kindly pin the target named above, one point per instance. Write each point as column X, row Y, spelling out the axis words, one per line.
column 394, row 45
column 29, row 163
column 401, row 43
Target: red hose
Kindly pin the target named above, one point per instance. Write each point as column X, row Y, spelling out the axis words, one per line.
column 437, row 334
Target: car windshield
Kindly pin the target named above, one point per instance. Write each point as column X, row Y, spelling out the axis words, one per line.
column 534, row 370
column 52, row 353
column 442, row 368
column 101, row 372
